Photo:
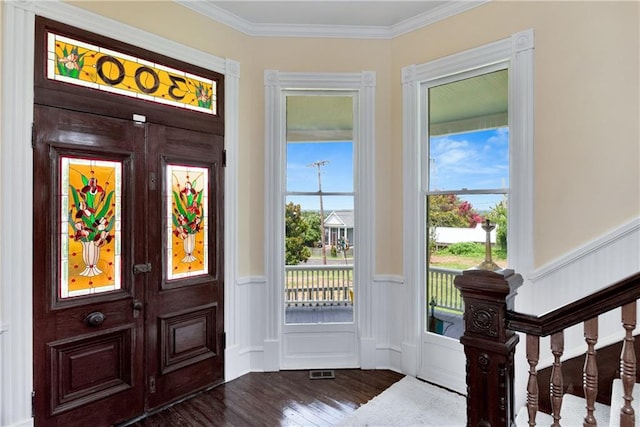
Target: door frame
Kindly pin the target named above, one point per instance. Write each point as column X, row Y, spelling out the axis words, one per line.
column 16, row 185
column 277, row 83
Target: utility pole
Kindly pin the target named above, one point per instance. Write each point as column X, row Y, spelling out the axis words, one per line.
column 318, row 165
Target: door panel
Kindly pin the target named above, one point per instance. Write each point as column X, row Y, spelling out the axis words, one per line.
column 185, row 294
column 87, row 338
column 90, row 367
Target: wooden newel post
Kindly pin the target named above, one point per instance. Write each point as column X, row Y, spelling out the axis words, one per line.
column 488, row 345
column 488, row 292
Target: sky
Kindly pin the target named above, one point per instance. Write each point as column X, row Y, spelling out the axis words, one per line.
column 472, row 160
column 335, row 176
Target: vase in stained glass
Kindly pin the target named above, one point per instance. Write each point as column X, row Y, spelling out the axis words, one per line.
column 187, row 190
column 90, row 226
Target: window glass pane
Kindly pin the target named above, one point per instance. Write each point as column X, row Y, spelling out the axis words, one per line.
column 456, row 242
column 325, row 165
column 187, row 201
column 471, row 160
column 320, row 141
column 319, row 261
column 468, row 133
column 90, row 226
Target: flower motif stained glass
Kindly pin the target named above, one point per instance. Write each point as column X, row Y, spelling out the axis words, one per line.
column 76, row 62
column 90, row 226
column 187, row 190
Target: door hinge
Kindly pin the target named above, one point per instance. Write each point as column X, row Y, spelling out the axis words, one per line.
column 152, row 384
column 224, row 340
column 33, row 404
column 224, row 158
column 33, row 135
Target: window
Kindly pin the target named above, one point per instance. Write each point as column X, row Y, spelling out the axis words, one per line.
column 432, row 136
column 467, row 184
column 340, row 130
column 319, row 211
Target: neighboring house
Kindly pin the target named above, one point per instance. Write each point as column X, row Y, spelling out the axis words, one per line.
column 339, row 225
column 586, row 216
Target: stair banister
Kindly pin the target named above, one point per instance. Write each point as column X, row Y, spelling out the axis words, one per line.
column 490, row 340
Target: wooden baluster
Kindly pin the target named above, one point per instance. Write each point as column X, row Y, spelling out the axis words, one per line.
column 556, row 386
column 590, row 370
column 533, row 355
column 628, row 365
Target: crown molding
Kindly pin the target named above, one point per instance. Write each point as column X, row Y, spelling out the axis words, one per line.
column 439, row 13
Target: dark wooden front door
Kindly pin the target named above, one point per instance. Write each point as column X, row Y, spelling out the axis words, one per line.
column 127, row 266
column 184, row 298
column 88, row 344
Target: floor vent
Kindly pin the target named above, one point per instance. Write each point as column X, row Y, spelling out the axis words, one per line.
column 322, row 374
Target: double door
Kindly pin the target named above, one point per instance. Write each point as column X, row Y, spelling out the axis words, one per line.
column 127, row 266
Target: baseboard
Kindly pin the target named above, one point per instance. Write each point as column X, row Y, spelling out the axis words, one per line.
column 388, row 357
column 409, row 359
column 368, row 353
column 237, row 363
column 271, row 356
column 24, row 423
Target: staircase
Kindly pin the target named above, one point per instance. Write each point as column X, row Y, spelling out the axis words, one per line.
column 490, row 342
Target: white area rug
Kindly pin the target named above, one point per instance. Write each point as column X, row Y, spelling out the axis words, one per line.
column 411, row 402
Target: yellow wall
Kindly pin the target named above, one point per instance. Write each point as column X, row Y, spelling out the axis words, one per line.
column 586, row 108
column 586, row 90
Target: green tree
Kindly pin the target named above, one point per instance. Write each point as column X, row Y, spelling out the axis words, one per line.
column 312, row 235
column 448, row 210
column 498, row 216
column 295, row 228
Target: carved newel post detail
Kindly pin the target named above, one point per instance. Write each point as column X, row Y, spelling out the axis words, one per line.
column 488, row 292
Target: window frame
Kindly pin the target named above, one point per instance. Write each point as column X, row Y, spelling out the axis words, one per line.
column 362, row 85
column 517, row 52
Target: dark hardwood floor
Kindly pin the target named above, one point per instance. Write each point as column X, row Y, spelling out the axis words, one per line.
column 277, row 398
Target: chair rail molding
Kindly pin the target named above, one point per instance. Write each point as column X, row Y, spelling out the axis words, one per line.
column 607, row 259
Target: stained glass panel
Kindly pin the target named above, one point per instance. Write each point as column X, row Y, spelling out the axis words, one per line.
column 90, row 226
column 187, row 190
column 88, row 65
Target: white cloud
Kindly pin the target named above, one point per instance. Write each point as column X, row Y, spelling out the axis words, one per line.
column 501, row 136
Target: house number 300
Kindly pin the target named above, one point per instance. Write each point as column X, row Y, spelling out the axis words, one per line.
column 142, row 71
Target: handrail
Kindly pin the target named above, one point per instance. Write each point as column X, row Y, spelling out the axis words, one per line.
column 625, row 294
column 614, row 296
column 490, row 342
